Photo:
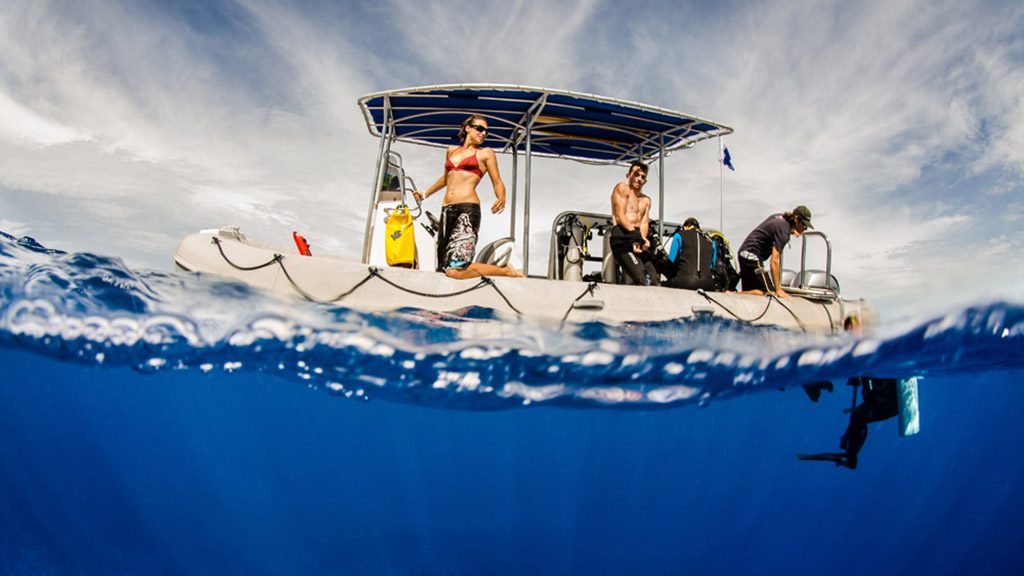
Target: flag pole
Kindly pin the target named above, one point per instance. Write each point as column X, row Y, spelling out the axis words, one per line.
column 721, row 186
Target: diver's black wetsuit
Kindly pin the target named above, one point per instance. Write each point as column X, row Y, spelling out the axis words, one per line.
column 689, row 261
column 881, row 402
column 637, row 266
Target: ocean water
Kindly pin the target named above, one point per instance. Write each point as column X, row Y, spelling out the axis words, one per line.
column 158, row 423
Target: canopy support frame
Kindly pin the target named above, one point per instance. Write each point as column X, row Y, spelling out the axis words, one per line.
column 661, row 189
column 655, row 133
column 378, row 176
column 530, row 118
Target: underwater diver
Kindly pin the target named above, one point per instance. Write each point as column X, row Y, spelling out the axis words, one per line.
column 880, row 403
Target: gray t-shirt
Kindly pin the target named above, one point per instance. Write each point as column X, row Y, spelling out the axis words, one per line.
column 774, row 231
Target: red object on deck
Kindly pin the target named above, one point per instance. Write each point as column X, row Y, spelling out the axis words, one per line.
column 301, row 243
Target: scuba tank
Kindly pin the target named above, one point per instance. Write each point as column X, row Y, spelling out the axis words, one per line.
column 723, row 270
column 573, row 237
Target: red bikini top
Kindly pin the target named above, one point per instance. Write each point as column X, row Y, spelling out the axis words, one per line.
column 467, row 164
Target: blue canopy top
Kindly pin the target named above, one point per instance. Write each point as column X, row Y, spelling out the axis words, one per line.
column 564, row 124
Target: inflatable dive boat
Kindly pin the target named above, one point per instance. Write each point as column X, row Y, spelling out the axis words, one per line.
column 582, row 282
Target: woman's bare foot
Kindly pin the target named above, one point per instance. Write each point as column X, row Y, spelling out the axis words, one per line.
column 480, row 269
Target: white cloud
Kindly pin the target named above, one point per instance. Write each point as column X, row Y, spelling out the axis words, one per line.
column 513, row 42
column 23, row 125
column 15, row 228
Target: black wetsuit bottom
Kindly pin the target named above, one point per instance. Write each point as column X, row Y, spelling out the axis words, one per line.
column 880, row 403
column 754, row 276
column 691, row 282
column 638, row 267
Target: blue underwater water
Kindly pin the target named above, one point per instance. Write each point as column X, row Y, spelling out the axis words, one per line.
column 157, row 423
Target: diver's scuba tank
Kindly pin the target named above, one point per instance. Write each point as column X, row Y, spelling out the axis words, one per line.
column 574, row 238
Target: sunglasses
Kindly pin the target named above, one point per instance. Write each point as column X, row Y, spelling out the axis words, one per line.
column 479, row 128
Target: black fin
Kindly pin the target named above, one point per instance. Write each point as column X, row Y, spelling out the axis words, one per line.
column 814, row 390
column 840, row 459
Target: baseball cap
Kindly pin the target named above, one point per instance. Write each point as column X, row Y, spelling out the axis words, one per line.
column 804, row 213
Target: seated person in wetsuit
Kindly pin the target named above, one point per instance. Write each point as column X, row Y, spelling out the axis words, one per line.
column 464, row 167
column 689, row 258
column 766, row 243
column 631, row 210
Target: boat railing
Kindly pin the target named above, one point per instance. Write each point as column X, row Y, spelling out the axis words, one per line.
column 395, row 186
column 812, row 283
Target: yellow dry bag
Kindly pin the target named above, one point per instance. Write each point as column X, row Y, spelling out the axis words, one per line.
column 400, row 242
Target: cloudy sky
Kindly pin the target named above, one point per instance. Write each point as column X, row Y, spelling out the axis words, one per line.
column 127, row 125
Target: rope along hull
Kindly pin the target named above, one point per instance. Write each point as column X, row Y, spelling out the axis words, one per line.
column 350, row 283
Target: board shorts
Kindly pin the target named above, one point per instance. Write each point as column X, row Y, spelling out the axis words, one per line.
column 460, row 226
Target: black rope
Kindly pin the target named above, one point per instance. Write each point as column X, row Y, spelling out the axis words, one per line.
column 484, row 281
column 791, row 313
column 373, row 272
column 502, row 294
column 589, row 290
column 771, row 297
column 703, row 293
column 479, row 284
column 276, row 258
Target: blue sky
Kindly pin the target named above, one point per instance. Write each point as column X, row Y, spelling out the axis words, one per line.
column 126, row 125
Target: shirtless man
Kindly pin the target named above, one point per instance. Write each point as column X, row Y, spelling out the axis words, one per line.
column 631, row 210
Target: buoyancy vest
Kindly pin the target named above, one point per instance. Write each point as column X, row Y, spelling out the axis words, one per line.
column 692, row 254
column 723, row 269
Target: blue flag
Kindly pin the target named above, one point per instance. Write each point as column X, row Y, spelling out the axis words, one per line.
column 727, row 159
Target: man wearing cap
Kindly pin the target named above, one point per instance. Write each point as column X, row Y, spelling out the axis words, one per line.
column 766, row 243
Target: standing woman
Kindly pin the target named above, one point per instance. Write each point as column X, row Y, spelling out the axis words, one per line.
column 464, row 167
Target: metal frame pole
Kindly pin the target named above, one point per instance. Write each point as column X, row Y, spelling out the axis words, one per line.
column 721, row 186
column 526, row 199
column 385, row 147
column 515, row 174
column 530, row 118
column 661, row 189
column 803, row 256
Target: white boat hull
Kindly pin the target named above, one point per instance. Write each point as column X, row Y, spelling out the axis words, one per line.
column 360, row 286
